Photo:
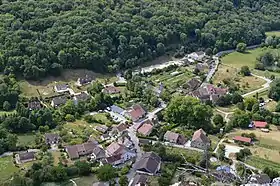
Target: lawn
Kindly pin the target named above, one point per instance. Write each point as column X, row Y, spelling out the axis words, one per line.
column 26, row 139
column 102, row 118
column 86, row 180
column 261, row 163
column 185, row 152
column 7, row 168
column 237, row 59
column 273, row 33
column 245, row 83
column 214, row 141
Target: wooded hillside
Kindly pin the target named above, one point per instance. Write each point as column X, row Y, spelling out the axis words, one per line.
column 42, row 37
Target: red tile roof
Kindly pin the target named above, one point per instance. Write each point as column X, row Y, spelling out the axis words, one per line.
column 145, row 129
column 137, row 112
column 260, row 124
column 242, row 139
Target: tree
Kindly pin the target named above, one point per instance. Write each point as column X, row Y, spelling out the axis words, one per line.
column 249, row 102
column 241, row 47
column 277, row 108
column 69, row 118
column 236, row 98
column 106, row 173
column 84, row 168
column 274, row 91
column 123, row 181
column 245, row 71
column 189, row 112
column 218, row 119
column 6, row 106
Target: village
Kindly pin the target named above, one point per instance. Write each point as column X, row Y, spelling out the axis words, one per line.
column 131, row 129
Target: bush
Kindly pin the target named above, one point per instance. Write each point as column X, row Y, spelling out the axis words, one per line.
column 69, row 118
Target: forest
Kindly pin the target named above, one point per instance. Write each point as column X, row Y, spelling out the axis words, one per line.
column 40, row 38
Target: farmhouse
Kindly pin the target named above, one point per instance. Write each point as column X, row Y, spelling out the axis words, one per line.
column 109, row 89
column 58, row 101
column 242, row 139
column 148, row 164
column 260, row 124
column 84, row 81
column 60, row 88
column 200, row 140
column 137, row 112
column 208, row 93
column 174, row 138
column 51, row 138
column 76, row 151
column 25, row 157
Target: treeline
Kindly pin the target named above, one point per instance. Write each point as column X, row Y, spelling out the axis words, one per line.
column 9, row 92
column 39, row 38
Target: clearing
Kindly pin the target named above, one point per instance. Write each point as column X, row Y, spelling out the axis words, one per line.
column 273, row 33
column 7, row 168
column 261, row 163
column 45, row 87
column 26, row 139
column 246, row 83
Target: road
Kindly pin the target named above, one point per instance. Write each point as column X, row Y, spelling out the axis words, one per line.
column 264, row 86
column 74, row 183
column 225, row 113
column 213, row 70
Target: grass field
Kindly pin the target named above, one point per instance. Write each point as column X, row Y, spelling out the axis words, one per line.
column 7, row 168
column 26, row 139
column 237, row 59
column 273, row 33
column 261, row 163
column 101, row 117
column 86, row 180
column 246, row 83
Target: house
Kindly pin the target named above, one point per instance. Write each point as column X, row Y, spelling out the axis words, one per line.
column 201, row 67
column 102, row 128
column 109, row 89
column 136, row 112
column 192, row 84
column 197, row 56
column 174, row 138
column 242, row 139
column 25, row 157
column 51, row 138
column 148, row 164
column 117, row 154
column 34, row 105
column 139, row 180
column 260, row 124
column 58, row 101
column 60, row 88
column 84, row 81
column 200, row 140
column 98, row 153
column 76, row 151
column 117, row 110
column 81, row 97
column 118, row 130
column 259, row 179
column 145, row 128
column 126, row 141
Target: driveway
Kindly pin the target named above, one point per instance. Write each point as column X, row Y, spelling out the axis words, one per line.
column 231, row 149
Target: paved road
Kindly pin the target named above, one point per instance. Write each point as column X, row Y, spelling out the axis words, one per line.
column 213, row 70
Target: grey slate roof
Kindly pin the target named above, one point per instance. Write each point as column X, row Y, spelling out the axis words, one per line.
column 26, row 156
column 149, row 163
column 59, row 100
